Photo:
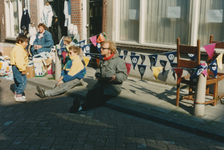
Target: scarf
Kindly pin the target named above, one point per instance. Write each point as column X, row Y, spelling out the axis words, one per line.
column 108, row 58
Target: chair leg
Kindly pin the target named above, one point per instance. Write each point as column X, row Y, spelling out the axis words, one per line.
column 215, row 93
column 178, row 95
column 190, row 91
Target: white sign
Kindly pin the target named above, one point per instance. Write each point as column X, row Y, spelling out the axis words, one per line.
column 173, row 12
column 214, row 16
column 133, row 14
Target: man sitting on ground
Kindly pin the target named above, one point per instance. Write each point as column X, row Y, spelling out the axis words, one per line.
column 73, row 71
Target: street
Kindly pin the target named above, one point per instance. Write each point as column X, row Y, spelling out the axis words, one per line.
column 46, row 124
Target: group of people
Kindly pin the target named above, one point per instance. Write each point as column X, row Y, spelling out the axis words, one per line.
column 110, row 75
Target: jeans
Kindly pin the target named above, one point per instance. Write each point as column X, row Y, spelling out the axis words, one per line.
column 19, row 79
column 95, row 98
column 62, row 88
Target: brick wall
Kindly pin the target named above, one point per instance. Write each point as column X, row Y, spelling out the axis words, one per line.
column 76, row 15
column 104, row 21
column 2, row 21
column 34, row 12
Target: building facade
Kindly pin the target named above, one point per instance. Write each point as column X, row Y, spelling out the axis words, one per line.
column 147, row 23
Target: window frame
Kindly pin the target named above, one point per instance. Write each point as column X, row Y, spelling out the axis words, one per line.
column 194, row 26
column 9, row 18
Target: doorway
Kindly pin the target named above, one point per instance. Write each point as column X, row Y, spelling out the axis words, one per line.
column 95, row 16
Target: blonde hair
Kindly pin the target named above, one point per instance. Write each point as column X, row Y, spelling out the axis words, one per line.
column 75, row 49
column 67, row 39
column 112, row 46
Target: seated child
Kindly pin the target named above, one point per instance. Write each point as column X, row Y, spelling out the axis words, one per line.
column 19, row 62
column 73, row 71
column 67, row 41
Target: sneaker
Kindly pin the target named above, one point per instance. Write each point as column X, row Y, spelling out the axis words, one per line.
column 24, row 97
column 41, row 92
column 20, row 99
column 76, row 105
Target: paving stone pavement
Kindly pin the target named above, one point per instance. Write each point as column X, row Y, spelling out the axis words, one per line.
column 46, row 124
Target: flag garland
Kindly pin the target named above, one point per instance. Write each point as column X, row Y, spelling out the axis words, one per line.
column 217, row 63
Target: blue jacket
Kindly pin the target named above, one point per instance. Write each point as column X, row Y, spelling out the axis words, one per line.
column 46, row 41
column 74, row 69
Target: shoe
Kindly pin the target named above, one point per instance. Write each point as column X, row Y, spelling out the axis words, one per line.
column 20, row 99
column 24, row 97
column 76, row 105
column 40, row 92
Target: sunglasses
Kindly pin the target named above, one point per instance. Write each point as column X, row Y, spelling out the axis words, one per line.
column 104, row 48
column 69, row 53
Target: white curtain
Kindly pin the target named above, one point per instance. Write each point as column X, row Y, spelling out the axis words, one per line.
column 129, row 27
column 205, row 29
column 161, row 29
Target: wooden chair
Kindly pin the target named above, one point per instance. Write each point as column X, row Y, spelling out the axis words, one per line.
column 181, row 62
column 211, row 80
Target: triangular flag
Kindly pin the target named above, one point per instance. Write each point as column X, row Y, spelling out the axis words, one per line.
column 210, row 49
column 156, row 71
column 133, row 53
column 153, row 59
column 179, row 72
column 125, row 53
column 134, row 60
column 163, row 64
column 86, row 60
column 119, row 50
column 170, row 56
column 128, row 66
column 64, row 54
column 200, row 69
column 98, row 45
column 213, row 67
column 191, row 71
column 192, row 56
column 121, row 56
column 86, row 48
column 143, row 58
column 82, row 43
column 219, row 61
column 88, row 55
column 141, row 69
column 204, row 72
column 93, row 40
column 97, row 61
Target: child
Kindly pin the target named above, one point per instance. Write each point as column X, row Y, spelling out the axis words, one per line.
column 67, row 41
column 19, row 62
column 73, row 71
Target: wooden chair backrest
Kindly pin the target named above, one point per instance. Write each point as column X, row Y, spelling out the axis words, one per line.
column 185, row 49
column 219, row 44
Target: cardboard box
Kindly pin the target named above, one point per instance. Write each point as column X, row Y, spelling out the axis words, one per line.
column 39, row 69
column 6, row 51
column 30, row 72
column 47, row 62
column 51, row 68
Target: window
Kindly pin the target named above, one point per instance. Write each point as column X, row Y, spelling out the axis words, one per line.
column 166, row 20
column 13, row 13
column 129, row 20
column 206, row 27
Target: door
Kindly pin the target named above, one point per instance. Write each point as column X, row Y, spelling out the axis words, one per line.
column 94, row 20
column 95, row 16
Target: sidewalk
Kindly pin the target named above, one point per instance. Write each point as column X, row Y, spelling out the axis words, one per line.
column 155, row 102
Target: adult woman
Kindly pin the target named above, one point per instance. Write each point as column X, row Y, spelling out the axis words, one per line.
column 43, row 41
